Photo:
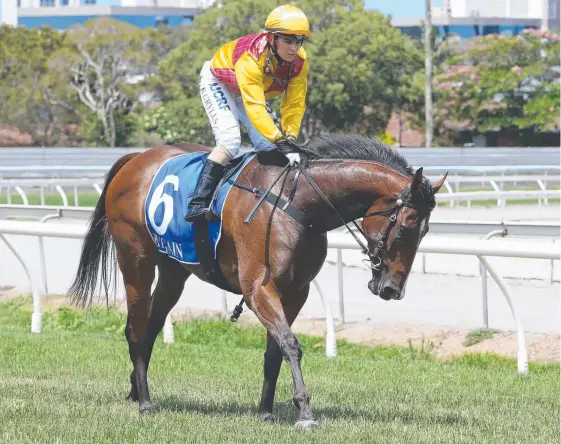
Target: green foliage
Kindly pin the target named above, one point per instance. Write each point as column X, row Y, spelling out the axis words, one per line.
column 424, row 351
column 180, row 121
column 92, row 131
column 498, row 82
column 98, row 61
column 144, row 139
column 358, row 63
column 479, row 335
column 65, row 319
column 31, row 99
column 16, row 312
column 98, row 320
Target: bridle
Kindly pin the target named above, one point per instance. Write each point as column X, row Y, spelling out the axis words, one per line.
column 405, row 199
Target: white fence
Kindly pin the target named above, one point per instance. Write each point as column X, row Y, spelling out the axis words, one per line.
column 453, row 184
column 439, row 244
column 481, row 228
column 500, row 196
column 22, row 186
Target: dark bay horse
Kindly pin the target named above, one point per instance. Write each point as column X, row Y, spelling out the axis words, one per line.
column 270, row 261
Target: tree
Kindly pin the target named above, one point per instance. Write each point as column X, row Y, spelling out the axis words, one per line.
column 410, row 97
column 31, row 99
column 100, row 62
column 357, row 63
column 409, row 100
column 496, row 82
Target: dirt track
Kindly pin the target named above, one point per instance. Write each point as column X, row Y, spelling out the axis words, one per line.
column 443, row 343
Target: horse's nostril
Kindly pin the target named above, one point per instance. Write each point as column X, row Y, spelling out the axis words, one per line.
column 389, row 293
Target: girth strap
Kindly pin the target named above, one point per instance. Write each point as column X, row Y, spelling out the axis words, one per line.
column 205, row 252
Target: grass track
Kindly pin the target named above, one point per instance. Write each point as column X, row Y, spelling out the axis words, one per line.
column 68, row 383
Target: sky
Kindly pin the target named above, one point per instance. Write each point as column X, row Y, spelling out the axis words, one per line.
column 401, row 8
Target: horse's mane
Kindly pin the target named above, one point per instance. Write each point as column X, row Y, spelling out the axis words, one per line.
column 356, row 147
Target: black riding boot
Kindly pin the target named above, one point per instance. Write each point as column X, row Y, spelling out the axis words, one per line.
column 198, row 208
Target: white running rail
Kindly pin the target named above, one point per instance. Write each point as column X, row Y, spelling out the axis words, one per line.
column 436, row 244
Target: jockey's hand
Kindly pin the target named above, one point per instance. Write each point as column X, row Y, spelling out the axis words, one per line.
column 288, row 145
column 293, row 158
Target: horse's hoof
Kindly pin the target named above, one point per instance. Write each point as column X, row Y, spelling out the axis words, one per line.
column 307, row 424
column 146, row 409
column 268, row 417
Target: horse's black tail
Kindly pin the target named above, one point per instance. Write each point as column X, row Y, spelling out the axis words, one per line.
column 97, row 249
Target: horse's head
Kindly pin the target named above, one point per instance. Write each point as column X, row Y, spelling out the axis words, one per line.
column 395, row 227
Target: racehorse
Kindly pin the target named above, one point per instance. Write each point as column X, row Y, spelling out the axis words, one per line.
column 270, row 261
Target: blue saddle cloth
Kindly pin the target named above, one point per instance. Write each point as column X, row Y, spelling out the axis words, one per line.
column 166, row 204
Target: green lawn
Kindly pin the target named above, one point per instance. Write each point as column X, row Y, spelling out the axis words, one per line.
column 67, row 385
column 85, row 198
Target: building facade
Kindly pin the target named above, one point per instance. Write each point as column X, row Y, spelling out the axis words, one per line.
column 470, row 18
column 60, row 14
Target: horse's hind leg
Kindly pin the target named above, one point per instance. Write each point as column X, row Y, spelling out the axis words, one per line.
column 292, row 304
column 138, row 268
column 171, row 281
column 266, row 304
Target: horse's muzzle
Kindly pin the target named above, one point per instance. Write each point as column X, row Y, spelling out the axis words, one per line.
column 385, row 290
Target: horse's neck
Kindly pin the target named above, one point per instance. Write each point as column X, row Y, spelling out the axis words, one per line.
column 352, row 187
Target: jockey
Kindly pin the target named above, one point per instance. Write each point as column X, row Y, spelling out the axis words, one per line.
column 235, row 85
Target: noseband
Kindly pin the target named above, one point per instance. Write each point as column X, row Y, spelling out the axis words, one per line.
column 403, row 200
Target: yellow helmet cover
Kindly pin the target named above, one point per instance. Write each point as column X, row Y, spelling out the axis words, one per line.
column 287, row 19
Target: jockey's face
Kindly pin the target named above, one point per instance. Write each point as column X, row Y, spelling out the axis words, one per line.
column 287, row 48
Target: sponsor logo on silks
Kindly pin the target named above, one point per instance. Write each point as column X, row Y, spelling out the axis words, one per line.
column 169, row 247
column 219, row 96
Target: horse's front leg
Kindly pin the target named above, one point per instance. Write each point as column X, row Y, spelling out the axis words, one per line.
column 291, row 304
column 265, row 301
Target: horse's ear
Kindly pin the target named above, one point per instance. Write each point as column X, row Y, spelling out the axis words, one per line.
column 417, row 180
column 437, row 185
